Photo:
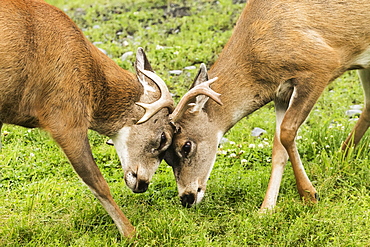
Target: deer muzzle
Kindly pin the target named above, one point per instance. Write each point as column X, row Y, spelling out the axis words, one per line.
column 137, row 183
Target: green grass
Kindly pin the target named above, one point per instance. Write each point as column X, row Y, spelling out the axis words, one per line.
column 44, row 203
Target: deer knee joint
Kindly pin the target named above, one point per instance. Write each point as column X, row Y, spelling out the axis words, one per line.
column 287, row 136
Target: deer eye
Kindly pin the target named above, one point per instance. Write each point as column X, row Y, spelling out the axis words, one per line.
column 186, row 149
column 163, row 141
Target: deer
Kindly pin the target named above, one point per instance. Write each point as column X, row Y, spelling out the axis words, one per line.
column 281, row 51
column 53, row 78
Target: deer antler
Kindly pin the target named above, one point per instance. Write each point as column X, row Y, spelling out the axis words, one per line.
column 164, row 101
column 201, row 89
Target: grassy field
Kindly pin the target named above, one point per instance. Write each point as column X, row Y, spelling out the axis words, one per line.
column 43, row 202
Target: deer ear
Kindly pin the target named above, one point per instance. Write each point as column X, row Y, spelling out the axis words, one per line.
column 201, row 77
column 200, row 100
column 142, row 63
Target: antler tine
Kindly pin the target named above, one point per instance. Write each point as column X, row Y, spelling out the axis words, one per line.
column 164, row 101
column 203, row 89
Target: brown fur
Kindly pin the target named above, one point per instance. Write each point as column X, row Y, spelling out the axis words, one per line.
column 286, row 51
column 52, row 77
column 37, row 56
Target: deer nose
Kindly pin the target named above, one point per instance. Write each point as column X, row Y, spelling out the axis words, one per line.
column 141, row 186
column 135, row 183
column 187, row 200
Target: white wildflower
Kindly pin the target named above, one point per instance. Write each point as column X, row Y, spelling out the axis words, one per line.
column 266, row 143
column 222, row 152
column 243, row 161
column 159, row 47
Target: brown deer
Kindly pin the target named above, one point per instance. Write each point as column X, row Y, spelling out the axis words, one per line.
column 281, row 51
column 53, row 78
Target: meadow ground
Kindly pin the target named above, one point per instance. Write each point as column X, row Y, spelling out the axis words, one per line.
column 44, row 203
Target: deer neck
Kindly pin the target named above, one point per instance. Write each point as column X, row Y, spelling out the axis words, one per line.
column 241, row 93
column 115, row 95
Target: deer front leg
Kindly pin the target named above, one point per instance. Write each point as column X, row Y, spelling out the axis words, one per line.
column 76, row 146
column 279, row 154
column 306, row 93
column 364, row 122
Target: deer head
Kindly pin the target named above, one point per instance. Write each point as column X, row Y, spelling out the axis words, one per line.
column 141, row 144
column 193, row 150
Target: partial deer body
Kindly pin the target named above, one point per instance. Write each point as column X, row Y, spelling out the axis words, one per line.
column 281, row 51
column 52, row 77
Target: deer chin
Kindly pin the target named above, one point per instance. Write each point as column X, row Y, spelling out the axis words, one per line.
column 200, row 196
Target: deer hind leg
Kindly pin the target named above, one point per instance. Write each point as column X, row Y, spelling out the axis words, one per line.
column 364, row 122
column 279, row 154
column 75, row 145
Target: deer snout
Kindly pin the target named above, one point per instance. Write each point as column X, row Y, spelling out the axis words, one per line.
column 141, row 186
column 191, row 198
column 137, row 183
column 188, row 200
